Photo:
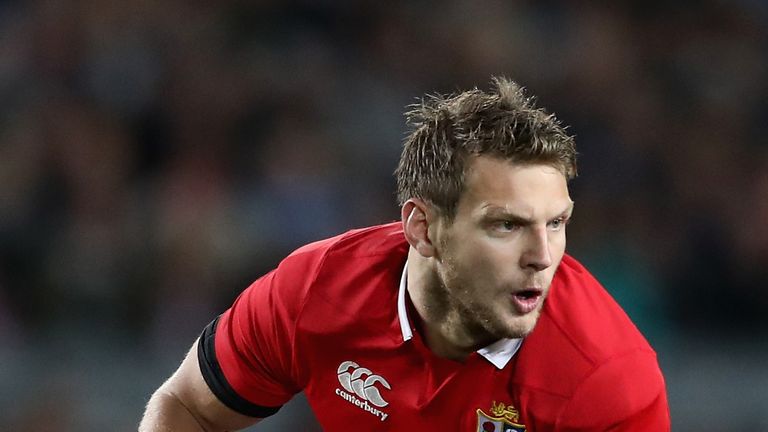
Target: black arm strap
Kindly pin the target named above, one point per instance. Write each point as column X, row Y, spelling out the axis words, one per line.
column 214, row 377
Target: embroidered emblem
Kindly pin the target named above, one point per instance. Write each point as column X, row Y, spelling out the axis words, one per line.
column 503, row 418
column 361, row 391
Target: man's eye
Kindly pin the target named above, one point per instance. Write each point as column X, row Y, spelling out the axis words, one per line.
column 557, row 224
column 507, row 226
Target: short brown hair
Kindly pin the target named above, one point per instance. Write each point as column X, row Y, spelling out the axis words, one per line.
column 447, row 129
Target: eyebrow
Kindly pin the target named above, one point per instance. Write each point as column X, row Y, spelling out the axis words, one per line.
column 493, row 211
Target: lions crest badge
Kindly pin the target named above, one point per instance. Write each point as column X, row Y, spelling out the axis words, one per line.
column 503, row 418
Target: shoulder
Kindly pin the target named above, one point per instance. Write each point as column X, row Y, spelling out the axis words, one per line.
column 587, row 317
column 344, row 251
column 327, row 268
column 361, row 243
column 625, row 390
column 587, row 352
column 356, row 271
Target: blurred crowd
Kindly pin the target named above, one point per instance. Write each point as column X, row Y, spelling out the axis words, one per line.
column 157, row 156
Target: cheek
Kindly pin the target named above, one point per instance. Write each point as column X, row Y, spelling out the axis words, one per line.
column 557, row 250
column 557, row 243
column 489, row 260
column 467, row 259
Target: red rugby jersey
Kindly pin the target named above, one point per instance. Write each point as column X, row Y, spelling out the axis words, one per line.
column 327, row 322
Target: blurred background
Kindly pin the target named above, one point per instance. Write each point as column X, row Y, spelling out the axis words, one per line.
column 158, row 156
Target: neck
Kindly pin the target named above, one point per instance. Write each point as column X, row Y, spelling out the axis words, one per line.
column 445, row 331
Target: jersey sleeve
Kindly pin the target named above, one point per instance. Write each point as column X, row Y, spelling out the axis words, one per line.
column 624, row 394
column 247, row 354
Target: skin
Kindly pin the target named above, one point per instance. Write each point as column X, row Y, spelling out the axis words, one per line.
column 185, row 403
column 508, row 235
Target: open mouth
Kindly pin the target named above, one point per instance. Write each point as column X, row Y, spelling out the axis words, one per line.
column 526, row 300
column 528, row 294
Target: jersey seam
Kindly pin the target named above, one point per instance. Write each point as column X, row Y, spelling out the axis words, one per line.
column 594, row 370
column 573, row 343
column 331, row 248
column 300, row 313
column 542, row 390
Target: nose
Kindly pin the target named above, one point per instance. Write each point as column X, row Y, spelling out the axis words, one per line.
column 536, row 255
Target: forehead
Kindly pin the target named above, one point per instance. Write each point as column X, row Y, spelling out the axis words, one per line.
column 527, row 189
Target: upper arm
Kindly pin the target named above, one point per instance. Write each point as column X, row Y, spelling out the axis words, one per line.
column 241, row 368
column 188, row 386
column 246, row 356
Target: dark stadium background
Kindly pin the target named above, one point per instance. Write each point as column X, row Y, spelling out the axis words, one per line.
column 157, row 156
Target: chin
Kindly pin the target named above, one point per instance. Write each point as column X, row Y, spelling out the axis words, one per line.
column 518, row 333
column 520, row 327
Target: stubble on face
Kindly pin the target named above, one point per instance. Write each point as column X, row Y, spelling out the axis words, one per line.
column 493, row 251
column 457, row 299
column 478, row 271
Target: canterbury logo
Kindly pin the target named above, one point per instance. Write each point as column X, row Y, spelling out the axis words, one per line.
column 362, row 382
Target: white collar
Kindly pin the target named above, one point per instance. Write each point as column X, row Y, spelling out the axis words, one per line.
column 498, row 353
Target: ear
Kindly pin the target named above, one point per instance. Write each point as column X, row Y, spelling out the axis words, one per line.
column 416, row 220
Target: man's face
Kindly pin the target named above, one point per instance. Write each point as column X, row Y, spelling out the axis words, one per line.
column 497, row 258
